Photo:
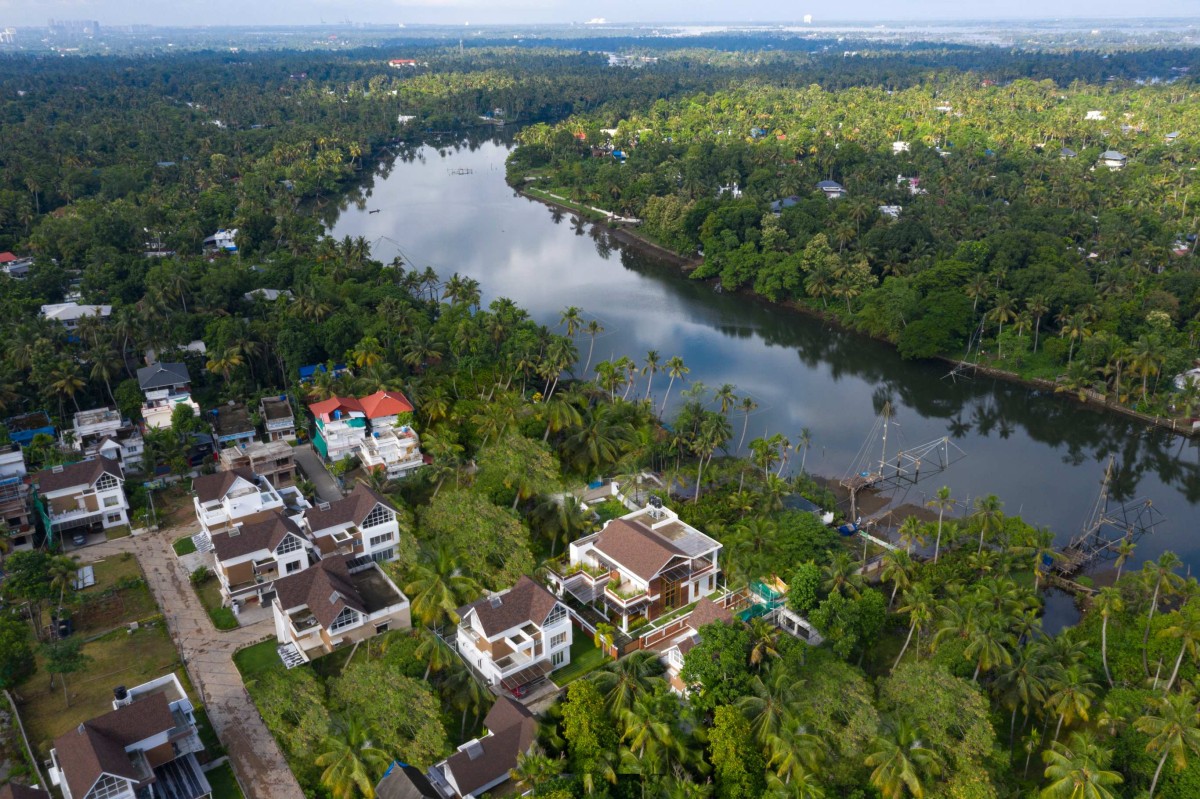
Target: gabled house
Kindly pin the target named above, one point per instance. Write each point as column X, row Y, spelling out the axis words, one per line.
column 278, row 419
column 832, row 189
column 145, row 747
column 341, row 425
column 81, row 498
column 641, row 565
column 362, row 526
column 387, row 409
column 68, row 314
column 330, row 605
column 228, row 498
column 164, row 385
column 1113, row 159
column 251, row 555
column 515, row 638
column 14, row 267
column 15, row 493
column 482, row 764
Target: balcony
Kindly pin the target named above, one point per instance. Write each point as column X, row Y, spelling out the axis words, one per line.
column 626, row 593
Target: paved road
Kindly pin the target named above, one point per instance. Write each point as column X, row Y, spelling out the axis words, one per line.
column 310, row 463
column 208, row 656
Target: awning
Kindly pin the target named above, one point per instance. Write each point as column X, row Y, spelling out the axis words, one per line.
column 678, row 572
column 525, row 676
column 628, row 607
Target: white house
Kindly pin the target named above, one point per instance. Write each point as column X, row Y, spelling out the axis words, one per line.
column 396, row 451
column 222, row 240
column 330, row 605
column 899, row 147
column 362, row 526
column 102, row 431
column 145, row 747
column 225, row 499
column 892, row 211
column 833, row 190
column 514, row 639
column 341, row 426
column 251, row 555
column 164, row 385
column 484, row 763
column 84, row 497
column 14, row 497
column 1096, row 116
column 1113, row 159
column 642, row 565
column 68, row 314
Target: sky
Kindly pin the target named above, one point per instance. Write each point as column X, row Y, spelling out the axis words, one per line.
column 305, row 12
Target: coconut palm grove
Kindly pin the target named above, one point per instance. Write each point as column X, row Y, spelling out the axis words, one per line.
column 605, row 579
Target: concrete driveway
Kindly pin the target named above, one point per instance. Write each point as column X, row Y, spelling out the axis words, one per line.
column 310, row 463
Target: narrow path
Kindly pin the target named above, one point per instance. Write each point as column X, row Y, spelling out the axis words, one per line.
column 310, row 463
column 208, row 656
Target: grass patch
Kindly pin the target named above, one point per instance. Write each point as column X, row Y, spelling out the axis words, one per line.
column 585, row 657
column 254, row 662
column 184, row 545
column 119, row 658
column 208, row 736
column 113, row 533
column 224, row 785
column 119, row 596
column 210, row 596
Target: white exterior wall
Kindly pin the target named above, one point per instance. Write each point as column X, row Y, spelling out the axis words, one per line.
column 116, row 495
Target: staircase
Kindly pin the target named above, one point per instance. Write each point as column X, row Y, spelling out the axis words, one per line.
column 202, row 541
column 290, row 655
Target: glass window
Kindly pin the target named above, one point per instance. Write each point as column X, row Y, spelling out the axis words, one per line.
column 380, row 539
column 288, row 544
column 558, row 640
column 558, row 657
column 379, row 515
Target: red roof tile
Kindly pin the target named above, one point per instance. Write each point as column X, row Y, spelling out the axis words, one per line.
column 324, row 410
column 385, row 403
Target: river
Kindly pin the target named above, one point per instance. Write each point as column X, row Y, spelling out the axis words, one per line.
column 1043, row 455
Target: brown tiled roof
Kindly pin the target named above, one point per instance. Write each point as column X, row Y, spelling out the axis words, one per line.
column 97, row 747
column 348, row 510
column 253, row 536
column 208, row 487
column 315, row 587
column 14, row 791
column 403, row 782
column 636, row 547
column 527, row 601
column 512, row 730
column 707, row 612
column 77, row 474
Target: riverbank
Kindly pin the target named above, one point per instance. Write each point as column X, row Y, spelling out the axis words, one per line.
column 1090, row 399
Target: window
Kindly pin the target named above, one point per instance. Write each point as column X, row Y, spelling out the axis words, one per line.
column 106, row 482
column 710, row 582
column 557, row 658
column 671, row 595
column 381, row 628
column 111, row 502
column 293, row 567
column 384, row 555
column 347, row 618
column 558, row 640
column 114, row 518
column 379, row 515
column 376, row 540
column 108, row 786
column 288, row 544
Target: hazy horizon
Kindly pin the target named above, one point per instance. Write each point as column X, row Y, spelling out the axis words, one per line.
column 221, row 13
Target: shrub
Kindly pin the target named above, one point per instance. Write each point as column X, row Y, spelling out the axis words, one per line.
column 201, row 576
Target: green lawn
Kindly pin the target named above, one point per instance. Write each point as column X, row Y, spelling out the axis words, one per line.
column 208, row 736
column 224, row 785
column 585, row 657
column 210, row 596
column 255, row 661
column 113, row 533
column 184, row 545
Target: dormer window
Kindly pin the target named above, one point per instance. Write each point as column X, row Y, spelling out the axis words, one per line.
column 106, row 482
column 347, row 618
column 288, row 544
column 378, row 515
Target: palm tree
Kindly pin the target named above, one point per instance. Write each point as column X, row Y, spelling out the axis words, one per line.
column 1162, row 574
column 1038, row 307
column 911, row 532
column 62, row 572
column 65, row 381
column 918, row 604
column 804, row 441
column 768, row 705
column 1187, row 629
column 943, row 502
column 1022, row 683
column 224, row 362
column 898, row 570
column 1106, row 603
column 651, row 368
column 725, row 397
column 764, row 642
column 468, row 695
column 624, row 680
column 988, row 515
column 436, row 588
column 747, row 407
column 433, row 651
column 1003, row 311
column 593, row 329
column 1079, row 769
column 533, row 769
column 352, row 763
column 572, row 319
column 1173, row 725
column 901, row 761
column 1071, row 694
column 675, row 368
column 840, row 575
column 1124, row 553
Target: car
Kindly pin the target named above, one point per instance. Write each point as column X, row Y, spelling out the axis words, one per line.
column 79, row 539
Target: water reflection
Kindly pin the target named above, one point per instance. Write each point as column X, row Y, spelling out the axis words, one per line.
column 448, row 207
